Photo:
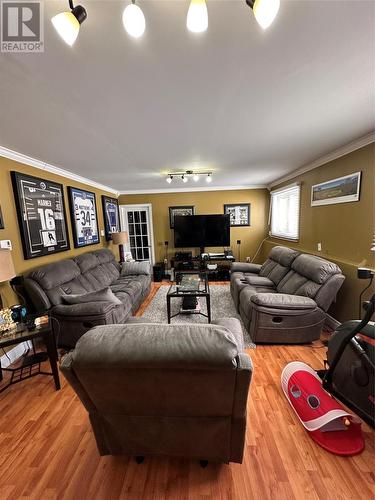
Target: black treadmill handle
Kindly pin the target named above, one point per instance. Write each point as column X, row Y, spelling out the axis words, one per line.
column 327, row 380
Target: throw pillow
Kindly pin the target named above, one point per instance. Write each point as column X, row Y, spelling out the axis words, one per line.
column 105, row 295
column 133, row 268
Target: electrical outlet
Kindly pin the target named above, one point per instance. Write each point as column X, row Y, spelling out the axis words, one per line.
column 165, row 261
column 248, row 259
column 102, row 232
column 319, row 247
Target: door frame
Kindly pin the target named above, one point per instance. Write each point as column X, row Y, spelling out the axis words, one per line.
column 137, row 206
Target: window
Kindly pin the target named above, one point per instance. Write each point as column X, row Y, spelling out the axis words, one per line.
column 285, row 212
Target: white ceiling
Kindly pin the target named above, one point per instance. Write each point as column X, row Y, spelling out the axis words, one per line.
column 251, row 105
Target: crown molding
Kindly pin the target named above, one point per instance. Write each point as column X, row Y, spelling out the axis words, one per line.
column 334, row 155
column 193, row 190
column 33, row 162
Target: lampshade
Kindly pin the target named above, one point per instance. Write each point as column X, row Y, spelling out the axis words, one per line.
column 67, row 24
column 265, row 11
column 120, row 238
column 134, row 20
column 7, row 271
column 197, row 17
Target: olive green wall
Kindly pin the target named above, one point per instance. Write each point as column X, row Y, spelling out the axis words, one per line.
column 345, row 230
column 207, row 202
column 12, row 232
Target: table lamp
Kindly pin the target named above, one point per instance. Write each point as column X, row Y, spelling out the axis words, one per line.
column 7, row 271
column 120, row 239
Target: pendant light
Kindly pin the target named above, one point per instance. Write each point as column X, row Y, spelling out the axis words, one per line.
column 197, row 17
column 265, row 11
column 134, row 20
column 67, row 24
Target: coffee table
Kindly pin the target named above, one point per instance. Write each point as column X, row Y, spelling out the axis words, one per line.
column 189, row 286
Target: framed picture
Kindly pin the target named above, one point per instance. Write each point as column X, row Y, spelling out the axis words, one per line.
column 1, row 220
column 84, row 217
column 239, row 214
column 341, row 190
column 173, row 211
column 111, row 216
column 41, row 215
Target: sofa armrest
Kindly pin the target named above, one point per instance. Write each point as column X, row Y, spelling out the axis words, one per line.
column 70, row 375
column 84, row 310
column 245, row 267
column 283, row 301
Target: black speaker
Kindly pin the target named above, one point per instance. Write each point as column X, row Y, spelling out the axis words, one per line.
column 159, row 271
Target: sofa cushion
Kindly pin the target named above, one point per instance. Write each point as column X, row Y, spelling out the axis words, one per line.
column 104, row 295
column 55, row 274
column 278, row 263
column 315, row 268
column 283, row 301
column 135, row 268
column 259, row 281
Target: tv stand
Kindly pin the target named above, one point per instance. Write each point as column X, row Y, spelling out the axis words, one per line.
column 222, row 261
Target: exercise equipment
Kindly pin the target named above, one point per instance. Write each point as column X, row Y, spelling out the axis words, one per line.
column 349, row 375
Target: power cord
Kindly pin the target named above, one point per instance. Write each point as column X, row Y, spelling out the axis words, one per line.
column 259, row 247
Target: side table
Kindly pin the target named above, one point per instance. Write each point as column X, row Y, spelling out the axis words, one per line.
column 22, row 334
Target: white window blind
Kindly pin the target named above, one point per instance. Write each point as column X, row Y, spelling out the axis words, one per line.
column 285, row 212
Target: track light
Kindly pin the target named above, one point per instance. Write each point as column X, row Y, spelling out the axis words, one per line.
column 265, row 11
column 209, row 178
column 197, row 17
column 184, row 178
column 134, row 20
column 67, row 24
column 169, row 179
column 195, row 177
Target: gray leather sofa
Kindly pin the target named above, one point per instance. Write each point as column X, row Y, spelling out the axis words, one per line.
column 156, row 389
column 285, row 300
column 46, row 286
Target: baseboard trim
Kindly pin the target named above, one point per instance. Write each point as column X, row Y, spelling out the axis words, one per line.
column 14, row 353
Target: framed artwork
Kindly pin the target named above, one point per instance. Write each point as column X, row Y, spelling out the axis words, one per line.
column 41, row 215
column 184, row 210
column 111, row 216
column 239, row 214
column 84, row 217
column 341, row 190
column 1, row 220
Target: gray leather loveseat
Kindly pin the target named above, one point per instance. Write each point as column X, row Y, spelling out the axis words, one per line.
column 49, row 285
column 157, row 389
column 285, row 300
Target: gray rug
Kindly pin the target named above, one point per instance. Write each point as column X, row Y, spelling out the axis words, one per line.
column 221, row 307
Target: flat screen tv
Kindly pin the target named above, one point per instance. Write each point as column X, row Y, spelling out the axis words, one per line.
column 201, row 231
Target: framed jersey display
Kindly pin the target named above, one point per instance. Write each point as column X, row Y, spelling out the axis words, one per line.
column 84, row 217
column 41, row 215
column 111, row 216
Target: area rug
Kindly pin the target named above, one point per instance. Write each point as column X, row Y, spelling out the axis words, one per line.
column 221, row 307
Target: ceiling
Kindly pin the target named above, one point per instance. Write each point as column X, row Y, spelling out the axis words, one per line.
column 251, row 105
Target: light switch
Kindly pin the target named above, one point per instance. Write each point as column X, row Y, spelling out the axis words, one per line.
column 319, row 247
column 6, row 244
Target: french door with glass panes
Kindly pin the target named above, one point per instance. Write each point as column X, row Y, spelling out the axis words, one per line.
column 137, row 221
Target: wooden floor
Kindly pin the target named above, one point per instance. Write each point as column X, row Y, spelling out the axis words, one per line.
column 47, row 450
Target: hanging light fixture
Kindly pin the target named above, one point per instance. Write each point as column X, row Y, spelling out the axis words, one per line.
column 195, row 177
column 209, row 178
column 169, row 179
column 184, row 178
column 134, row 20
column 265, row 11
column 197, row 17
column 67, row 24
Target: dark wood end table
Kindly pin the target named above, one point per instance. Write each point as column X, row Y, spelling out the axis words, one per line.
column 43, row 332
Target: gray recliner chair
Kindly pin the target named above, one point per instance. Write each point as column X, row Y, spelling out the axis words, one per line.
column 285, row 301
column 155, row 389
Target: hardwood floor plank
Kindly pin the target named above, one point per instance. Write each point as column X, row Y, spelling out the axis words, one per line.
column 48, row 451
